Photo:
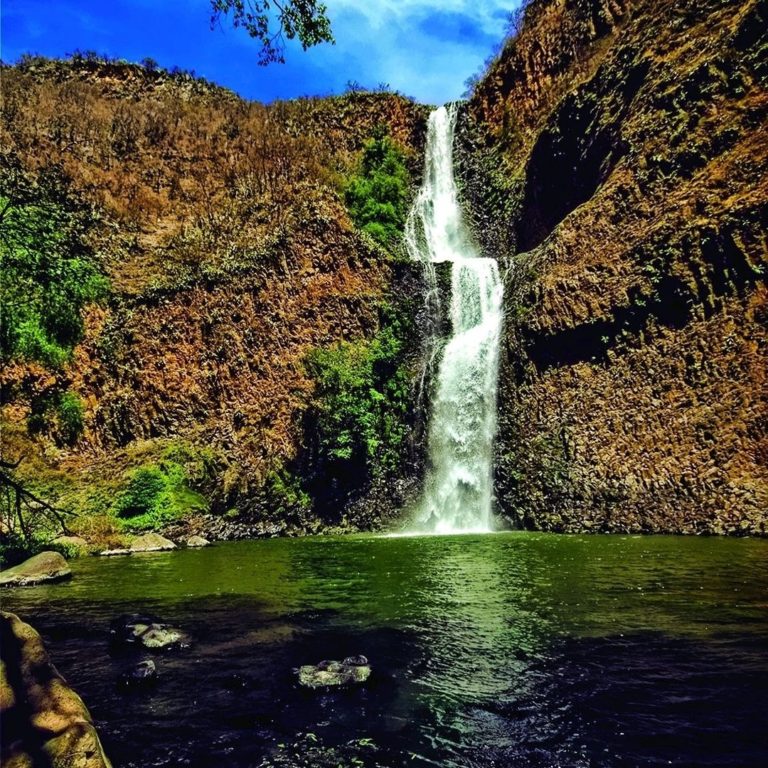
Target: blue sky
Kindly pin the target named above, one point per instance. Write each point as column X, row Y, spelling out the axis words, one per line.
column 424, row 48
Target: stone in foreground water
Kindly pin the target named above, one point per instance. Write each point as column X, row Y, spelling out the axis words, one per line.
column 354, row 669
column 51, row 724
column 141, row 675
column 143, row 630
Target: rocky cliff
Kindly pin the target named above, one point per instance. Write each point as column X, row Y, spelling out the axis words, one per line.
column 614, row 158
column 221, row 227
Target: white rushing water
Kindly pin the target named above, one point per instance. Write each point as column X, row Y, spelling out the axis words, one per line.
column 459, row 484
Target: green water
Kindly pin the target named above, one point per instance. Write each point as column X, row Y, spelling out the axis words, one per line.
column 516, row 649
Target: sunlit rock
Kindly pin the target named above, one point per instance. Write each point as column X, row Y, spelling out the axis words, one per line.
column 114, row 552
column 45, row 567
column 51, row 724
column 151, row 542
column 145, row 631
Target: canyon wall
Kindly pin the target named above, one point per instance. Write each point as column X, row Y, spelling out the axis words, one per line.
column 222, row 229
column 614, row 160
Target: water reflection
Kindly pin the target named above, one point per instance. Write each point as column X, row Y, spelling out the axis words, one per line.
column 502, row 650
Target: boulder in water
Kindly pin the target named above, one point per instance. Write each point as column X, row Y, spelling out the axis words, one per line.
column 198, row 541
column 145, row 631
column 47, row 566
column 151, row 542
column 46, row 722
column 326, row 674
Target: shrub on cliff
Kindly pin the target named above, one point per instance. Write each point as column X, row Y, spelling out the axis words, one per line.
column 71, row 418
column 156, row 494
column 283, row 493
column 144, row 494
column 57, row 412
column 360, row 407
column 49, row 270
column 377, row 196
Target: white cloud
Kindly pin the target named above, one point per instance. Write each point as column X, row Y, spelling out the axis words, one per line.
column 424, row 48
column 381, row 12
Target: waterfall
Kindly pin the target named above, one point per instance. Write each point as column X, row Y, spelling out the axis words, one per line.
column 459, row 484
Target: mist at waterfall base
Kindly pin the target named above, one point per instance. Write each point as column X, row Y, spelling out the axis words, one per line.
column 517, row 650
column 458, row 491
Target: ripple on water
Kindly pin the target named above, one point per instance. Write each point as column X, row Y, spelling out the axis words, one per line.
column 505, row 650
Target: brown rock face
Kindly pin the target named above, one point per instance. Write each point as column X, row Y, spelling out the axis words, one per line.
column 44, row 721
column 615, row 157
column 230, row 257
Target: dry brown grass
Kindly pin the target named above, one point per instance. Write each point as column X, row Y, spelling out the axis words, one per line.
column 229, row 252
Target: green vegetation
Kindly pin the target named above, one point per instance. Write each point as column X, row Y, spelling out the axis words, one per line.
column 361, row 405
column 70, row 416
column 156, row 495
column 283, row 493
column 49, row 271
column 161, row 491
column 57, row 412
column 378, row 195
column 167, row 482
column 145, row 493
column 270, row 22
column 15, row 548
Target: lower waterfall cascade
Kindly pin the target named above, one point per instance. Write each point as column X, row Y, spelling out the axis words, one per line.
column 458, row 492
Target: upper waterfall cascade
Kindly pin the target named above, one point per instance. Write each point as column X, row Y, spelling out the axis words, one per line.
column 459, row 484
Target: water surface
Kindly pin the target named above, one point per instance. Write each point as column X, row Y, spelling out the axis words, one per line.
column 514, row 649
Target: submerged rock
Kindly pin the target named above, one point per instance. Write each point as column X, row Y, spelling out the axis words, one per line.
column 142, row 675
column 198, row 541
column 47, row 566
column 151, row 542
column 145, row 631
column 46, row 722
column 159, row 636
column 354, row 669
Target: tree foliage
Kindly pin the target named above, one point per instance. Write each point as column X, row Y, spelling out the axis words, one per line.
column 272, row 23
column 378, row 195
column 49, row 271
